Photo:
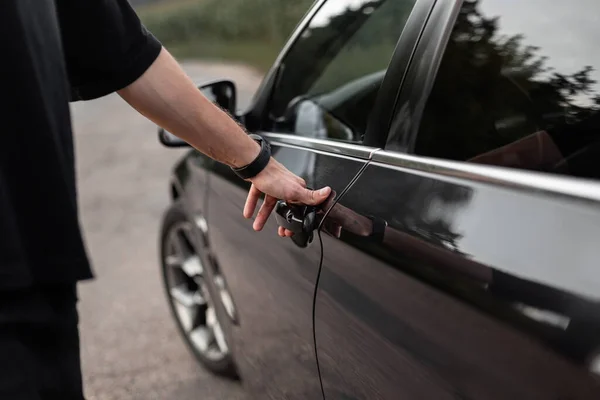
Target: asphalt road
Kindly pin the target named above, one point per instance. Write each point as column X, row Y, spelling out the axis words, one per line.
column 130, row 346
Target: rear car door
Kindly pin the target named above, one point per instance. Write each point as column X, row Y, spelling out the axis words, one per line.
column 320, row 97
column 463, row 262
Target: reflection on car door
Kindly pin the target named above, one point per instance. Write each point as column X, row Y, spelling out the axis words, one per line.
column 318, row 112
column 446, row 280
column 410, row 313
column 272, row 280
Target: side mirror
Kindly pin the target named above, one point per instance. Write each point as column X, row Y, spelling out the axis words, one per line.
column 222, row 93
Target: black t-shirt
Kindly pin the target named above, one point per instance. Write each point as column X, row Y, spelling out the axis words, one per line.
column 51, row 52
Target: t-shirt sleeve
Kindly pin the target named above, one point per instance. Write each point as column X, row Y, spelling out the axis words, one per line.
column 105, row 44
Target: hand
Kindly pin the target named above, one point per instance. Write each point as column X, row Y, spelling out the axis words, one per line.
column 278, row 183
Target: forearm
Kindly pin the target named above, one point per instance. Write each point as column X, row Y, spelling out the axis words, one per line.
column 167, row 96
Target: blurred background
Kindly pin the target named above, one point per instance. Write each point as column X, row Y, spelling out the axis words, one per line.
column 241, row 31
column 130, row 346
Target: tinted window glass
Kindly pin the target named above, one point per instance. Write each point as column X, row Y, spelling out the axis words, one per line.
column 517, row 87
column 331, row 76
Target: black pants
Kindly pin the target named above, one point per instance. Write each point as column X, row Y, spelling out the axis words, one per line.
column 39, row 344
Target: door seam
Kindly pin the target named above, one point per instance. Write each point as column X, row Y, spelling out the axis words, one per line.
column 316, row 289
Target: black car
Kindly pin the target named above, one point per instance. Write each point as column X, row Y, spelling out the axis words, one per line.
column 460, row 256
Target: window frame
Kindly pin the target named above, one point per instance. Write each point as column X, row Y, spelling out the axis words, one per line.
column 420, row 77
column 256, row 119
column 408, row 112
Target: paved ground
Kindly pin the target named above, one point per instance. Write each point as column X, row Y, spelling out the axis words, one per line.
column 130, row 347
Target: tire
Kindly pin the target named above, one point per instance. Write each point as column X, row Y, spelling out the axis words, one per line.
column 173, row 220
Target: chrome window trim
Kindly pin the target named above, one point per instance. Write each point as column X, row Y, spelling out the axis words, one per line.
column 320, row 145
column 577, row 188
column 312, row 150
column 512, row 178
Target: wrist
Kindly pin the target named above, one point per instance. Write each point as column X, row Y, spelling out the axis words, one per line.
column 247, row 155
column 262, row 157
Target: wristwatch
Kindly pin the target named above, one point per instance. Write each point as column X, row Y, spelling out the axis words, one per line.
column 260, row 162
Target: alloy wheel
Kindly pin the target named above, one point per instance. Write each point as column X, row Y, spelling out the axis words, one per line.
column 189, row 295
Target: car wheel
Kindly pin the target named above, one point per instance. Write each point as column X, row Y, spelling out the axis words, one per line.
column 191, row 304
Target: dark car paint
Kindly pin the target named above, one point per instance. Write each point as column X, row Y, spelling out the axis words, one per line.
column 449, row 325
column 272, row 281
column 463, row 304
column 424, row 315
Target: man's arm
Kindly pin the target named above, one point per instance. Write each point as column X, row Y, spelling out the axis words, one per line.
column 167, row 96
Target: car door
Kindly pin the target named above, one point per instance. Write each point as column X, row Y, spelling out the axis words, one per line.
column 314, row 109
column 444, row 278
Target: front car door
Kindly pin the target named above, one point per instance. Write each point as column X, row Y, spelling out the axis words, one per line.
column 445, row 278
column 322, row 94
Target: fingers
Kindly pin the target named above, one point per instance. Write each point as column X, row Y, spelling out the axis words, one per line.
column 264, row 212
column 251, row 202
column 281, row 231
column 313, row 197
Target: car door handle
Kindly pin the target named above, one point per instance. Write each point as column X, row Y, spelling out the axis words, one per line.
column 300, row 219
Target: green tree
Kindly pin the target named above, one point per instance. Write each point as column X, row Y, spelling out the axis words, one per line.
column 485, row 78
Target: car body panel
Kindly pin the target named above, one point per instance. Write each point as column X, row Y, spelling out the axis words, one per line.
column 271, row 280
column 473, row 294
column 486, row 285
column 189, row 184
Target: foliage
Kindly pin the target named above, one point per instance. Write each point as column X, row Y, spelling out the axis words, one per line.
column 485, row 78
column 341, row 48
column 188, row 26
column 378, row 23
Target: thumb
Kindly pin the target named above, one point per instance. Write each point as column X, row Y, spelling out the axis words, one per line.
column 315, row 197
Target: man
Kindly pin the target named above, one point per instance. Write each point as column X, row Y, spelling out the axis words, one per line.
column 54, row 51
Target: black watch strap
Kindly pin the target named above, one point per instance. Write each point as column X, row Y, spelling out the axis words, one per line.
column 259, row 163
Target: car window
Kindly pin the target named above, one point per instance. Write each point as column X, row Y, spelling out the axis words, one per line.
column 331, row 76
column 518, row 88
